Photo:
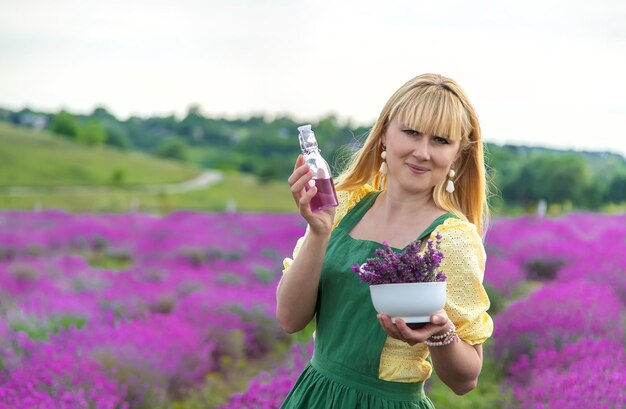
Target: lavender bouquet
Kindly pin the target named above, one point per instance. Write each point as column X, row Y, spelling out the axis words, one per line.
column 408, row 266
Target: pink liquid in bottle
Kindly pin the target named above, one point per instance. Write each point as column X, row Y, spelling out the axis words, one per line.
column 326, row 196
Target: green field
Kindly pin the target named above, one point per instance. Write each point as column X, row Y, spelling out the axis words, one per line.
column 234, row 192
column 31, row 158
column 40, row 159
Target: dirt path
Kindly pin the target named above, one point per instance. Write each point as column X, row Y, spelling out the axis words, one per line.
column 206, row 178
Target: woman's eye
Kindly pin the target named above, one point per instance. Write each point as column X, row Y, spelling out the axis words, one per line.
column 441, row 141
column 410, row 132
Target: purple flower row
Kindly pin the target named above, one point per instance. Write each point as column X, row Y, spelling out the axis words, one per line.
column 578, row 245
column 555, row 315
column 588, row 373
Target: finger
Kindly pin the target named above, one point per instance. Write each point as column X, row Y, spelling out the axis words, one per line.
column 299, row 185
column 304, row 202
column 439, row 318
column 306, row 197
column 389, row 326
column 298, row 173
column 405, row 332
column 299, row 162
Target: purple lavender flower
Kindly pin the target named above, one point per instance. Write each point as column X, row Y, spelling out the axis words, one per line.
column 408, row 266
column 591, row 370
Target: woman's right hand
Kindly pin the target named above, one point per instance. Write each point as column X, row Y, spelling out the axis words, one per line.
column 321, row 221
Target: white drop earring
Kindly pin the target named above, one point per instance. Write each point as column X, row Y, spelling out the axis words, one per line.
column 383, row 166
column 450, row 185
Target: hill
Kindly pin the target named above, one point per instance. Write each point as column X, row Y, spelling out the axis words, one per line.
column 40, row 159
column 32, row 158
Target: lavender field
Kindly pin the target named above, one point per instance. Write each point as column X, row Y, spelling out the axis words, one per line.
column 176, row 311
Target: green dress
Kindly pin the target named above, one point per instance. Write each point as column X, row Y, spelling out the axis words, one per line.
column 343, row 373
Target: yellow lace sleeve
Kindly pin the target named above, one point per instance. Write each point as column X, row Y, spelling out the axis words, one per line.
column 347, row 200
column 464, row 265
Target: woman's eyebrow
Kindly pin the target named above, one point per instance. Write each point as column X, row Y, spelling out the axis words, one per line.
column 405, row 127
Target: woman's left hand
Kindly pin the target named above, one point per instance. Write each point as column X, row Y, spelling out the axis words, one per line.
column 400, row 330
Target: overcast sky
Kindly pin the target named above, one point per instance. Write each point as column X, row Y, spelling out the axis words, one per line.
column 539, row 72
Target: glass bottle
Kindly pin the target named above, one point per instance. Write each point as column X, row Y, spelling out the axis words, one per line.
column 326, row 196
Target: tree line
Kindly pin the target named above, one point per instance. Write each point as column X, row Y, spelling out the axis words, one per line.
column 266, row 147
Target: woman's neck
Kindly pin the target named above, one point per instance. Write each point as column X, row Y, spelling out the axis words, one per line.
column 396, row 206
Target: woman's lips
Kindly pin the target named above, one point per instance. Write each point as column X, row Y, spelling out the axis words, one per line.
column 417, row 169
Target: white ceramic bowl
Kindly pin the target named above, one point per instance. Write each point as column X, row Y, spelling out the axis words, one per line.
column 412, row 302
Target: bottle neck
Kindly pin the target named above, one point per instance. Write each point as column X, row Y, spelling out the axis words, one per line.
column 310, row 149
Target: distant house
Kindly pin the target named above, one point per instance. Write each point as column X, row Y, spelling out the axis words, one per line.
column 32, row 120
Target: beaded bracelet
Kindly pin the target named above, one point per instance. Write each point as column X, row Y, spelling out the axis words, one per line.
column 446, row 339
column 442, row 336
column 445, row 342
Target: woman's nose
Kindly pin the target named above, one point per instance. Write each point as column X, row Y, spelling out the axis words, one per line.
column 420, row 150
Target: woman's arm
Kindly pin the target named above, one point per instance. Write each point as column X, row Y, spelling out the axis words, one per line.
column 296, row 294
column 458, row 365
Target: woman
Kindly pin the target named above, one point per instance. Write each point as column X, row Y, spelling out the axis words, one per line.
column 420, row 173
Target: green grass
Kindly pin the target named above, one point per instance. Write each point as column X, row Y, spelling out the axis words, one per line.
column 110, row 260
column 32, row 158
column 238, row 191
column 202, row 154
column 243, row 191
column 490, row 393
column 40, row 330
column 234, row 377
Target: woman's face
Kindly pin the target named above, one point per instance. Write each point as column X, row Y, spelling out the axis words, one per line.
column 416, row 161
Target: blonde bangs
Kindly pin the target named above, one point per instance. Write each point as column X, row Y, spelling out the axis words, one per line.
column 433, row 111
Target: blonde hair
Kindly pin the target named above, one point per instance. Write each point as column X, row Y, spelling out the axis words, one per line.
column 434, row 105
